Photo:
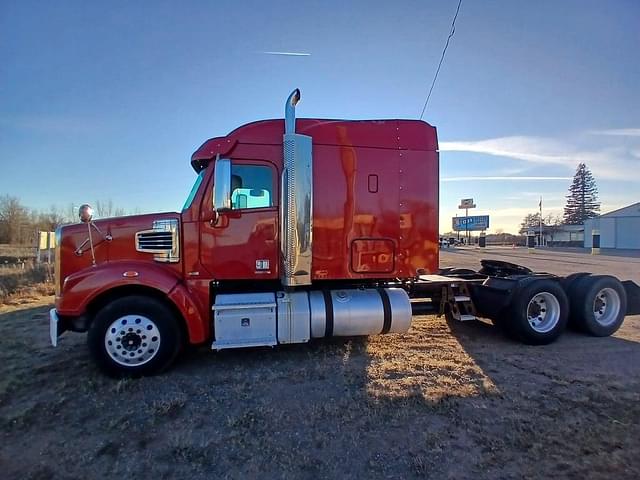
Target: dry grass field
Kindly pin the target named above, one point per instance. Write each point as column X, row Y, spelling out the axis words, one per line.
column 442, row 401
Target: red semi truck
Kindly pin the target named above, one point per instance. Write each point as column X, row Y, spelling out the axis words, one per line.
column 294, row 230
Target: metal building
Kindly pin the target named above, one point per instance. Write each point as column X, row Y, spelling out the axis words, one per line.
column 619, row 229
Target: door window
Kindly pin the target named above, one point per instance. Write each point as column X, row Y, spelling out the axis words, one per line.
column 251, row 186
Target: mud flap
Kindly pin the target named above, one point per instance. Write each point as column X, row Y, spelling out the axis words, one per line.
column 57, row 326
column 490, row 300
column 633, row 297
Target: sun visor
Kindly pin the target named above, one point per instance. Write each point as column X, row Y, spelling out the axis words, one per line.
column 210, row 149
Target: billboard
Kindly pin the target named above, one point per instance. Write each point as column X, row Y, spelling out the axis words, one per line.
column 466, row 203
column 471, row 223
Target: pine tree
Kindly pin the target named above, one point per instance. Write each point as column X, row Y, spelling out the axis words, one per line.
column 582, row 201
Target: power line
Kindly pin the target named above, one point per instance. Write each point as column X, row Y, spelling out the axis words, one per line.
column 453, row 30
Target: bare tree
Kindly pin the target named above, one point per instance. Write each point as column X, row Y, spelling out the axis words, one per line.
column 530, row 220
column 14, row 217
column 51, row 219
column 104, row 209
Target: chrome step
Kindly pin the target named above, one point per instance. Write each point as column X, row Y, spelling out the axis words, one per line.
column 462, row 298
column 466, row 318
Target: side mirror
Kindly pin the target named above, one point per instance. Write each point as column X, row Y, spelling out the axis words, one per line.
column 222, row 185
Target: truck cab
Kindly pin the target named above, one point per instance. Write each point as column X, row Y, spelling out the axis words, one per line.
column 293, row 230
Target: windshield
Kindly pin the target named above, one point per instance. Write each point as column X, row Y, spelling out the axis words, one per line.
column 194, row 189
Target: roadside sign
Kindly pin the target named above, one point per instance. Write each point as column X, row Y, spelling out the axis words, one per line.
column 43, row 243
column 471, row 223
column 466, row 203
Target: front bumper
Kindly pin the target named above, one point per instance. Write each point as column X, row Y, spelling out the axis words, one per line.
column 56, row 327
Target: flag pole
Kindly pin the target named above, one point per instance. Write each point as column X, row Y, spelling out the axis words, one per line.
column 540, row 205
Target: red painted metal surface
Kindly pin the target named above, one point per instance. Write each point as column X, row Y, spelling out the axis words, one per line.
column 84, row 282
column 375, row 217
column 416, row 135
column 230, row 248
column 374, row 179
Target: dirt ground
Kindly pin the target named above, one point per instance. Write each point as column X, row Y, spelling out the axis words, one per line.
column 442, row 401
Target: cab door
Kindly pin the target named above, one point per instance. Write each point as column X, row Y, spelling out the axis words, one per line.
column 242, row 243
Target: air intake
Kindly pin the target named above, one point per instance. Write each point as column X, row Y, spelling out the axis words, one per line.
column 296, row 206
column 162, row 240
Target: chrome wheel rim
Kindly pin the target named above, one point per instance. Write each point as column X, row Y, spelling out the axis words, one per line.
column 132, row 340
column 606, row 306
column 543, row 312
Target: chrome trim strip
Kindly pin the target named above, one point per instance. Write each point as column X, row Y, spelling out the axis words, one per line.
column 242, row 306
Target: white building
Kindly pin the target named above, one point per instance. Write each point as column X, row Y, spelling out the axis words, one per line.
column 563, row 235
column 619, row 229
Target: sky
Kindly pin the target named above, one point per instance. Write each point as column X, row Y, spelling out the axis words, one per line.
column 108, row 100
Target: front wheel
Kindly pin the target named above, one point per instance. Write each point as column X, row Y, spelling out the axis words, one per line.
column 539, row 312
column 134, row 336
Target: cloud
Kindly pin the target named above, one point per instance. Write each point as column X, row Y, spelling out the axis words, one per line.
column 529, row 149
column 510, row 178
column 289, row 54
column 619, row 132
column 608, row 158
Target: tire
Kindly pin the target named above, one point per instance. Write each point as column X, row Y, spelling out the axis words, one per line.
column 143, row 328
column 570, row 285
column 569, row 281
column 538, row 313
column 598, row 305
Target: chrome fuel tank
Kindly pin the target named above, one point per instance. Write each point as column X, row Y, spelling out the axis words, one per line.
column 343, row 313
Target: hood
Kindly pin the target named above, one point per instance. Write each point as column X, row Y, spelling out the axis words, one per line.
column 147, row 238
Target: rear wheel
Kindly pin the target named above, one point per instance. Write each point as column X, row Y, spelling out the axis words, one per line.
column 598, row 305
column 134, row 336
column 570, row 285
column 539, row 312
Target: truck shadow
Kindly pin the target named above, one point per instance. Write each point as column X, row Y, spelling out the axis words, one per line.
column 574, row 359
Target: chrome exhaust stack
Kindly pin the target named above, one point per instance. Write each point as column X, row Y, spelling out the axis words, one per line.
column 290, row 112
column 296, row 203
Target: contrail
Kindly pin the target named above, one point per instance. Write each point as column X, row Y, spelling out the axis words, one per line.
column 624, row 132
column 289, row 54
column 469, row 179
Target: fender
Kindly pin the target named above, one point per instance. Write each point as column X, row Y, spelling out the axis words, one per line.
column 81, row 288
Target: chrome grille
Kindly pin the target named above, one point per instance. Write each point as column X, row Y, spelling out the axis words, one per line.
column 162, row 240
